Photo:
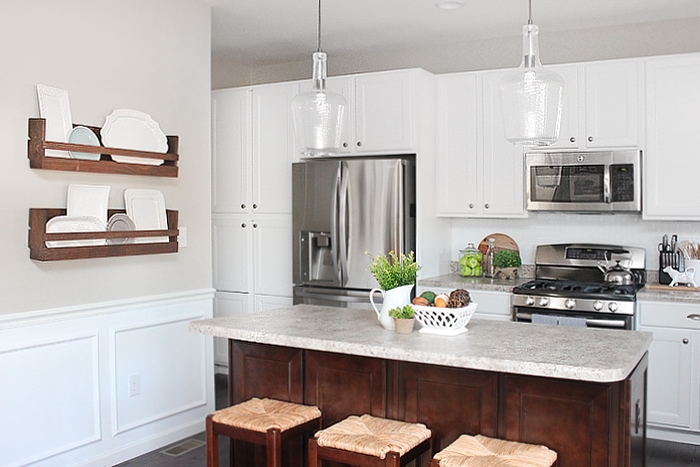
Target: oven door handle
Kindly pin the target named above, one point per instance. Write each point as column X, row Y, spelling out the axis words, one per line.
column 601, row 323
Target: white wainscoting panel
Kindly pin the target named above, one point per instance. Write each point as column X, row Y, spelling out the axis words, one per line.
column 65, row 386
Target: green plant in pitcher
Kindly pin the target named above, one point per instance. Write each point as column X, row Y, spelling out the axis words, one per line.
column 393, row 271
column 405, row 312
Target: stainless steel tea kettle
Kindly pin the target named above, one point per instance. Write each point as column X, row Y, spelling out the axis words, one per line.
column 616, row 274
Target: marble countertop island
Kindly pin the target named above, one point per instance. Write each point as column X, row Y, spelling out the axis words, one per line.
column 595, row 355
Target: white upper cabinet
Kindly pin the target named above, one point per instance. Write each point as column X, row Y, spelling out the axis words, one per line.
column 252, row 149
column 381, row 111
column 480, row 174
column 601, row 105
column 671, row 160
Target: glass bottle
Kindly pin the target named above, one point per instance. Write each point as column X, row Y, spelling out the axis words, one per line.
column 488, row 258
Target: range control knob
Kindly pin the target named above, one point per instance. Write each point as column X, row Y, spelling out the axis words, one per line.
column 570, row 303
column 529, row 301
column 543, row 301
column 612, row 306
column 597, row 305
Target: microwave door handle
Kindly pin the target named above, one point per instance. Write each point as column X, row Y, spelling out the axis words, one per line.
column 606, row 184
column 342, row 224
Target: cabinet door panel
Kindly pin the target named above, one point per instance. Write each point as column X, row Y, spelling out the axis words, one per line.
column 383, row 112
column 504, row 163
column 345, row 86
column 670, row 377
column 542, row 411
column 612, row 104
column 273, row 151
column 231, row 149
column 343, row 385
column 272, row 237
column 569, row 134
column 671, row 158
column 232, row 252
column 474, row 397
column 228, row 305
column 457, row 177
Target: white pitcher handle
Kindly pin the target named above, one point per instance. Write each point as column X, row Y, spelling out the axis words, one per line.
column 371, row 298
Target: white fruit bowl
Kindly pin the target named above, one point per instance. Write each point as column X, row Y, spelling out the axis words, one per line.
column 444, row 321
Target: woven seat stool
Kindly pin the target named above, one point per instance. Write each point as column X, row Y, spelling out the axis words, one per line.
column 368, row 441
column 266, row 422
column 483, row 451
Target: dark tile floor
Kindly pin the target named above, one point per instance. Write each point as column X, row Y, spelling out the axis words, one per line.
column 660, row 453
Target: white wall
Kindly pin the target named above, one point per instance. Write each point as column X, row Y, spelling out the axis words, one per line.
column 73, row 333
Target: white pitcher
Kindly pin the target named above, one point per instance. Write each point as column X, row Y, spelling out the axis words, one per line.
column 393, row 298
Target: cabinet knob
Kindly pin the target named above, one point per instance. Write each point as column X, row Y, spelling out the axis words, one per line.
column 572, row 140
column 243, row 225
column 487, row 205
column 359, row 143
column 255, row 206
column 590, row 139
column 694, row 317
column 345, row 145
column 242, row 206
column 685, row 341
column 255, row 226
column 471, row 205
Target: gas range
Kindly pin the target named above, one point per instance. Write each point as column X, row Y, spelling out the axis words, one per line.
column 570, row 284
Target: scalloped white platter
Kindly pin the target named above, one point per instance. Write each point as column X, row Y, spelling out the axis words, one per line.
column 54, row 107
column 75, row 224
column 147, row 209
column 132, row 129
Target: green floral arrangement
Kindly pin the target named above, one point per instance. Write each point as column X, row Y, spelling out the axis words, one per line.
column 393, row 271
column 405, row 312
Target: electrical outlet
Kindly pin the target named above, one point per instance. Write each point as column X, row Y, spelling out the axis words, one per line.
column 134, row 385
column 182, row 238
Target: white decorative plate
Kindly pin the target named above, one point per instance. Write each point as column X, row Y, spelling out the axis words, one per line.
column 147, row 209
column 54, row 107
column 120, row 222
column 88, row 201
column 83, row 135
column 74, row 224
column 131, row 129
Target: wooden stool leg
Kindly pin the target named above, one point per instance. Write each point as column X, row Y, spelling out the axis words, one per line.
column 274, row 447
column 313, row 452
column 392, row 459
column 212, row 444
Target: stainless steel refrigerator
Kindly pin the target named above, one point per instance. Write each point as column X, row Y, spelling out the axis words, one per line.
column 342, row 209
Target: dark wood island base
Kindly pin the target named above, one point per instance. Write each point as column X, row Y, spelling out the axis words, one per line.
column 591, row 424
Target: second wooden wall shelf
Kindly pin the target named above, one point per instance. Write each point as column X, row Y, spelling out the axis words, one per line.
column 37, row 146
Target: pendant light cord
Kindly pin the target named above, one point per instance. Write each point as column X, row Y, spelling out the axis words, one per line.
column 318, row 36
column 529, row 14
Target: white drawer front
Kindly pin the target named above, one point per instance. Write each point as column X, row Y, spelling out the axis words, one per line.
column 669, row 315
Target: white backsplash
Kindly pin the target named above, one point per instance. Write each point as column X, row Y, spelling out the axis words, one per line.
column 544, row 228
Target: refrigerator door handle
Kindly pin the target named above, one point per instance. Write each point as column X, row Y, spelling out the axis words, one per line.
column 397, row 232
column 335, row 233
column 342, row 224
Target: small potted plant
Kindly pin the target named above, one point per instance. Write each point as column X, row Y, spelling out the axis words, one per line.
column 404, row 318
column 506, row 264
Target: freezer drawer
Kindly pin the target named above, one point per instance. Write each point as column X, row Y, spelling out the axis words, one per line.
column 341, row 298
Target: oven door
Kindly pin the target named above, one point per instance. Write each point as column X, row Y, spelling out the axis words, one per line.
column 592, row 320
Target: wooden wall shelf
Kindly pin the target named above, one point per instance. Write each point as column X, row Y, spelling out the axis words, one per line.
column 40, row 252
column 37, row 146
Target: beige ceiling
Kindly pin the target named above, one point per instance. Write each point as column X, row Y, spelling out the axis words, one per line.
column 265, row 32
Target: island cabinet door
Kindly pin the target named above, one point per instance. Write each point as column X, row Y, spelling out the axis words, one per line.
column 342, row 385
column 580, row 421
column 449, row 401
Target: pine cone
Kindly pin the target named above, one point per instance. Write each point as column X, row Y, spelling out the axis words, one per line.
column 459, row 298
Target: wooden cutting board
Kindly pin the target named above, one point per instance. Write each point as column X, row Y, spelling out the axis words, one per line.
column 503, row 242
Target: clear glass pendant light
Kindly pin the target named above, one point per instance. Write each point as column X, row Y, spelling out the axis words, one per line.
column 531, row 97
column 319, row 114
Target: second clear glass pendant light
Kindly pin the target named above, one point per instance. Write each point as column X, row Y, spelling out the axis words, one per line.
column 319, row 114
column 531, row 97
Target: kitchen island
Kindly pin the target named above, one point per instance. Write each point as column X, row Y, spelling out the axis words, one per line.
column 578, row 391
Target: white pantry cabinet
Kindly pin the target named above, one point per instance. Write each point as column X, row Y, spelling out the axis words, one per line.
column 253, row 254
column 252, row 149
column 382, row 111
column 601, row 105
column 480, row 174
column 672, row 160
column 674, row 364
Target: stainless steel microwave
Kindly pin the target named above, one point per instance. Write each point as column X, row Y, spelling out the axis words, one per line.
column 597, row 181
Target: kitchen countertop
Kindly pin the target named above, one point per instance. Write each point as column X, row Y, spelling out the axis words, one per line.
column 521, row 348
